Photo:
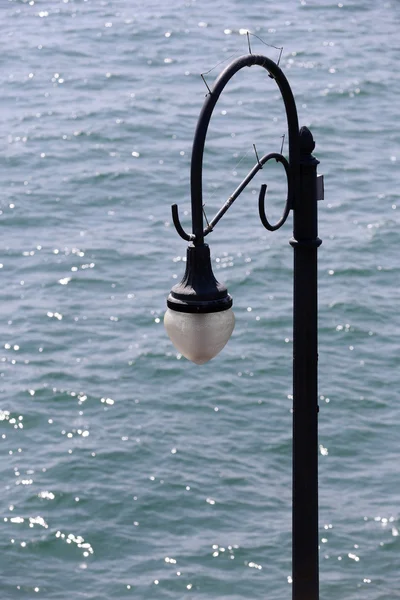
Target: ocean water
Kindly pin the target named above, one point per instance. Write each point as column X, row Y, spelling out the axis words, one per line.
column 126, row 471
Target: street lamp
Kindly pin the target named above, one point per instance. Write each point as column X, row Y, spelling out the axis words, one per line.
column 199, row 317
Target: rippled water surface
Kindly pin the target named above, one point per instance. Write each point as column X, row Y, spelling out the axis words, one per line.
column 127, row 471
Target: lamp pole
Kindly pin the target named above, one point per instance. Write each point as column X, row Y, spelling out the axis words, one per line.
column 199, row 317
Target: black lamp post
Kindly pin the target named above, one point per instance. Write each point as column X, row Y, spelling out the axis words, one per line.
column 199, row 318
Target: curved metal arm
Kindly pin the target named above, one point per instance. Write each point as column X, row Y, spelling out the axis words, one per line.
column 175, row 217
column 263, row 190
column 201, row 131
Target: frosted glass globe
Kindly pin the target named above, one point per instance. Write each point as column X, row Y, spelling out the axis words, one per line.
column 199, row 337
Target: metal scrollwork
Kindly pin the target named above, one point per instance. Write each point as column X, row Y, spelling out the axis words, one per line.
column 175, row 218
column 261, row 198
column 291, row 166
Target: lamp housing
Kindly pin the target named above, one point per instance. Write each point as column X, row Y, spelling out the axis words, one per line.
column 199, row 319
column 199, row 291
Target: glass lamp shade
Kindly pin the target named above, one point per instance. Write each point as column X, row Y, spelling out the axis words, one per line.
column 199, row 337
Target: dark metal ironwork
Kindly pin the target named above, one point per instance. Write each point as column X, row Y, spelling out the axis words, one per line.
column 261, row 162
column 196, row 183
column 200, row 292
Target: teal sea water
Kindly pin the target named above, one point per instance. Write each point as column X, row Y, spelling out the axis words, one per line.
column 126, row 471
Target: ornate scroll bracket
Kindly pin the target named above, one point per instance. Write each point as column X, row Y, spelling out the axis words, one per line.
column 291, row 166
column 261, row 200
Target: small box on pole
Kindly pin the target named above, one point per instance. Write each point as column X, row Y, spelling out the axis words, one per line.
column 320, row 187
